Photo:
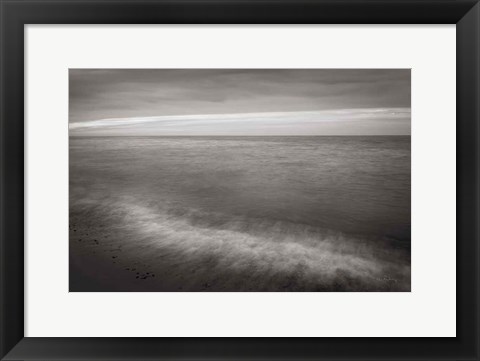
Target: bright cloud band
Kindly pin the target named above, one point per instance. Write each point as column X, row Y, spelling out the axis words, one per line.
column 366, row 121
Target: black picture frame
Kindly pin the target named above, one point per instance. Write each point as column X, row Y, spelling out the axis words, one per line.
column 15, row 14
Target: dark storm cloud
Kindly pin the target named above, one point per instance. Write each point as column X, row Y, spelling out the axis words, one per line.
column 98, row 95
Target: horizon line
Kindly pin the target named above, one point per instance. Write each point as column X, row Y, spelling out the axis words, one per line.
column 239, row 136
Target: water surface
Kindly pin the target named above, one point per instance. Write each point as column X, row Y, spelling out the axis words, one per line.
column 240, row 213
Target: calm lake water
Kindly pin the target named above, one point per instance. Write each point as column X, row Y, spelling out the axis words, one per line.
column 264, row 213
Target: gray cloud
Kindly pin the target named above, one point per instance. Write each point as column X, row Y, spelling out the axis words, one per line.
column 97, row 95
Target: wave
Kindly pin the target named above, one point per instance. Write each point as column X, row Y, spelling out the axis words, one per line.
column 192, row 250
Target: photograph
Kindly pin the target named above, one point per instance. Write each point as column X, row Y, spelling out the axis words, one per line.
column 239, row 180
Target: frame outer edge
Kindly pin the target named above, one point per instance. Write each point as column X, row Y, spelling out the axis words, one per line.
column 468, row 174
column 11, row 149
column 11, row 179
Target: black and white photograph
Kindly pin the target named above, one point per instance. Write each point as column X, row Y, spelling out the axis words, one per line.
column 239, row 180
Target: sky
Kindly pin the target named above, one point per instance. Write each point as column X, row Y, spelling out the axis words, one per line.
column 189, row 102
